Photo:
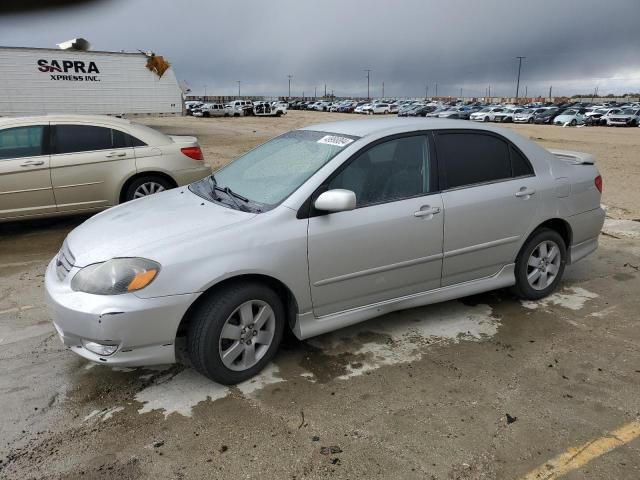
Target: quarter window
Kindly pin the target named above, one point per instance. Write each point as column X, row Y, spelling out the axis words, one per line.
column 20, row 142
column 389, row 171
column 470, row 158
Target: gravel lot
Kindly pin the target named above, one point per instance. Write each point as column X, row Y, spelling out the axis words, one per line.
column 482, row 388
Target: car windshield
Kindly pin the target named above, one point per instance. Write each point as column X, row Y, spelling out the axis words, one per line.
column 569, row 112
column 628, row 111
column 271, row 172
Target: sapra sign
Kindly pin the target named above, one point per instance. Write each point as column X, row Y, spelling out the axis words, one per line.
column 69, row 70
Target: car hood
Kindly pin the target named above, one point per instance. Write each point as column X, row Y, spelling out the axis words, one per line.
column 146, row 227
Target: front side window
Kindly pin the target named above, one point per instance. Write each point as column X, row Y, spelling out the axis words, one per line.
column 20, row 142
column 471, row 158
column 271, row 172
column 390, row 171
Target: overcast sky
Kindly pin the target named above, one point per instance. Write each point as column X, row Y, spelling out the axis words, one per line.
column 574, row 45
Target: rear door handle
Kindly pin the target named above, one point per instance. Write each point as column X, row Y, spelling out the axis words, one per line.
column 116, row 154
column 525, row 192
column 31, row 163
column 426, row 210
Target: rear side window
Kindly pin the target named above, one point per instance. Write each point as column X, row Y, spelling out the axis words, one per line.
column 21, row 142
column 88, row 138
column 470, row 158
column 82, row 138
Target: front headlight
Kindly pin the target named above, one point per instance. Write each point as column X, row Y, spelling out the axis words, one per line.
column 116, row 276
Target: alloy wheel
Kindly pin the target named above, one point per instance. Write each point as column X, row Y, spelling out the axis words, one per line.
column 543, row 265
column 148, row 188
column 247, row 335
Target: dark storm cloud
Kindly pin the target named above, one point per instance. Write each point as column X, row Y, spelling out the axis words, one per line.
column 574, row 45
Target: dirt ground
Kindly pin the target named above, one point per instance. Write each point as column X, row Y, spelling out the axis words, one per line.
column 482, row 388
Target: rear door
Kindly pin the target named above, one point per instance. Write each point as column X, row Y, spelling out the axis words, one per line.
column 490, row 201
column 25, row 182
column 89, row 165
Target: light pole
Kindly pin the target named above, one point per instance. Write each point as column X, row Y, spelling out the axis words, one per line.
column 436, row 89
column 290, row 77
column 426, row 91
column 205, row 92
column 238, row 87
column 518, row 81
column 368, row 80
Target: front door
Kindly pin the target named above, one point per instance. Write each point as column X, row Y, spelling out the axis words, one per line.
column 25, row 182
column 390, row 245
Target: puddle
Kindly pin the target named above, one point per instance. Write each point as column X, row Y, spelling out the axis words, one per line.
column 622, row 228
column 572, row 298
column 181, row 392
column 400, row 337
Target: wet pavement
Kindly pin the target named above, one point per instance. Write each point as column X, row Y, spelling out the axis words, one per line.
column 485, row 387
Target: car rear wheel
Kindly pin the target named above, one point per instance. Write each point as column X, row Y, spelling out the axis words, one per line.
column 148, row 185
column 573, row 122
column 530, row 120
column 486, row 118
column 540, row 265
column 235, row 332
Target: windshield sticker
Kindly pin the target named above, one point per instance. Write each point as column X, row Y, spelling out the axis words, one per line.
column 335, row 140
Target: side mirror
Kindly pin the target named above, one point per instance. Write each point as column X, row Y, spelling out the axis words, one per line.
column 337, row 200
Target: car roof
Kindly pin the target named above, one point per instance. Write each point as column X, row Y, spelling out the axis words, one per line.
column 370, row 127
column 65, row 118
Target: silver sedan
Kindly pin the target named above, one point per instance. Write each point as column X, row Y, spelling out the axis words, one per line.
column 317, row 229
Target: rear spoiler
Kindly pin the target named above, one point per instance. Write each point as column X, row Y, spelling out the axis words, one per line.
column 575, row 158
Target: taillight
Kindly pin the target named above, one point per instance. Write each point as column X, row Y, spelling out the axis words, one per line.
column 193, row 152
column 598, row 182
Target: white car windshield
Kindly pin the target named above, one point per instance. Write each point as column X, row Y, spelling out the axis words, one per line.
column 271, row 172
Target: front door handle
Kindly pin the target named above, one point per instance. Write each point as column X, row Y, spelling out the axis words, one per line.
column 525, row 192
column 116, row 154
column 426, row 211
column 31, row 163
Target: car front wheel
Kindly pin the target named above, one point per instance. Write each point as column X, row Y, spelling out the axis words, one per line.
column 235, row 332
column 540, row 265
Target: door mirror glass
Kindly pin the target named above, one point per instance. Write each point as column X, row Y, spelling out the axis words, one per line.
column 336, row 200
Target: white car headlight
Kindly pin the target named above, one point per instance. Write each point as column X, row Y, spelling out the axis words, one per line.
column 116, row 276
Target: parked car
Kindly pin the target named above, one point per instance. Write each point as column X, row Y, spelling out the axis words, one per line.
column 377, row 108
column 571, row 116
column 507, row 114
column 629, row 117
column 266, row 109
column 241, row 108
column 285, row 233
column 547, row 116
column 64, row 164
column 212, row 110
column 421, row 111
column 191, row 105
column 362, row 108
column 527, row 115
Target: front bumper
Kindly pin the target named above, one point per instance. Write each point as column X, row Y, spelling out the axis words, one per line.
column 144, row 330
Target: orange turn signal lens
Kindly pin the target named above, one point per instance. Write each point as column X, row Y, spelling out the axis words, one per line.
column 142, row 279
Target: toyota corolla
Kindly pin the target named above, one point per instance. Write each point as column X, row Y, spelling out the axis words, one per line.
column 317, row 229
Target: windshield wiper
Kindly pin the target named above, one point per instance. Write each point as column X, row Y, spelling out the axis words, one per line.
column 232, row 195
column 214, row 186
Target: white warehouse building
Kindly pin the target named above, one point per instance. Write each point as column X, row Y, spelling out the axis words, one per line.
column 42, row 80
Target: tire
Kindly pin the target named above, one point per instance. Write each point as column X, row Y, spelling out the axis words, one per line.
column 220, row 312
column 146, row 185
column 573, row 122
column 530, row 120
column 486, row 118
column 540, row 284
column 236, row 114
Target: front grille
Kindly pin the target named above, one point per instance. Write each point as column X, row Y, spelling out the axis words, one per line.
column 64, row 261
